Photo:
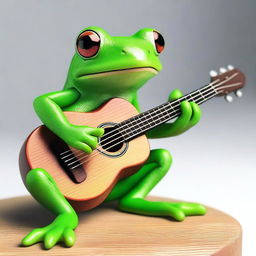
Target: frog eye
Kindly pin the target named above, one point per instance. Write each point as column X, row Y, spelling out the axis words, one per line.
column 159, row 41
column 88, row 43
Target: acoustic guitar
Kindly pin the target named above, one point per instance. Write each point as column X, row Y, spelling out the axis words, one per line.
column 87, row 179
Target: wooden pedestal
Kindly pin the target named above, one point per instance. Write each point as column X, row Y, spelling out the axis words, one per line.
column 107, row 231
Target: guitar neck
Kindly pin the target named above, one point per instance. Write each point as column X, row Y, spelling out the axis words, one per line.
column 143, row 122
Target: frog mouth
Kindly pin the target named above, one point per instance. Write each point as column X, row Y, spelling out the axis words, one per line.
column 119, row 71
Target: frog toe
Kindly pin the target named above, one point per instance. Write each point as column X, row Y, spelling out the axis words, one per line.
column 52, row 237
column 35, row 236
column 190, row 209
column 69, row 237
column 176, row 213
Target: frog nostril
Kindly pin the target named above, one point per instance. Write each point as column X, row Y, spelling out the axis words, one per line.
column 149, row 51
column 124, row 51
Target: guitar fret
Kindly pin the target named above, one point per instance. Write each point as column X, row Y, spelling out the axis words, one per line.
column 173, row 108
column 161, row 114
column 151, row 117
column 122, row 131
column 201, row 94
column 136, row 126
column 185, row 97
column 128, row 128
column 146, row 120
column 165, row 110
column 190, row 96
column 158, row 113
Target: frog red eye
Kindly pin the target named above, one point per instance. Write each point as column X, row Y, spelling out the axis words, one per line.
column 159, row 41
column 88, row 43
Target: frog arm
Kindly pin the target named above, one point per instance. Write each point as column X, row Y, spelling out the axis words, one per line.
column 49, row 109
column 190, row 115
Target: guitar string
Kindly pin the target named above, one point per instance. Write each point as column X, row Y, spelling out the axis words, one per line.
column 81, row 163
column 147, row 114
column 175, row 101
column 134, row 122
column 169, row 104
column 189, row 95
column 86, row 156
column 97, row 153
column 104, row 150
column 231, row 85
column 101, row 155
column 209, row 85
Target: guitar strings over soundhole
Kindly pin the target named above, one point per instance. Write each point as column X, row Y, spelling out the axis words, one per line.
column 111, row 143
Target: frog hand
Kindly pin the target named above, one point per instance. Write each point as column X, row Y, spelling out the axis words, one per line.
column 60, row 230
column 84, row 138
column 190, row 114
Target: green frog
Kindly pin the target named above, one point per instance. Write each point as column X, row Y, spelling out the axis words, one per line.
column 104, row 67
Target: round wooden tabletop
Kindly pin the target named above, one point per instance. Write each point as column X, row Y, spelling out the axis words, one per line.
column 107, row 231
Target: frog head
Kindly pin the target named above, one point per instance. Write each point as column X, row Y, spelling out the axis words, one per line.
column 107, row 64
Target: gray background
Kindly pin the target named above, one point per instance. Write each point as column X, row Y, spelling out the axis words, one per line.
column 214, row 161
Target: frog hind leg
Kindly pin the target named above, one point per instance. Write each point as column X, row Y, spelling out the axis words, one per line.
column 44, row 189
column 131, row 192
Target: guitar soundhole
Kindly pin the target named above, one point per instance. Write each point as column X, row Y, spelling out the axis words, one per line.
column 112, row 143
column 112, row 140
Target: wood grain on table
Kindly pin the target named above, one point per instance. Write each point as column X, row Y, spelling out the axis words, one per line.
column 107, row 231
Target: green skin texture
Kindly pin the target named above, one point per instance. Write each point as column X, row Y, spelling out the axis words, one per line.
column 84, row 92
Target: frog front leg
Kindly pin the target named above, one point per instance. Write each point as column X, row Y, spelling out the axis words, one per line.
column 131, row 192
column 44, row 189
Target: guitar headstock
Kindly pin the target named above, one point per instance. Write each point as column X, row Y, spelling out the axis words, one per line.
column 228, row 80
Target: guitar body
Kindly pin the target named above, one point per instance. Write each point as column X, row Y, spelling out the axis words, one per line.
column 102, row 170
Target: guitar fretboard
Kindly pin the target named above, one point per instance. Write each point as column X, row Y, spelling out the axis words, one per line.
column 141, row 123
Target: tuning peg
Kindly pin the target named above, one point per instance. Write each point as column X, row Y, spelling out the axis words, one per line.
column 229, row 98
column 230, row 67
column 213, row 73
column 223, row 70
column 239, row 93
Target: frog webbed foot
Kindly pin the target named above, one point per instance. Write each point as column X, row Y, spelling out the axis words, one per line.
column 59, row 230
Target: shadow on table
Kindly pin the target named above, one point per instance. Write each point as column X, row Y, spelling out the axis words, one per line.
column 24, row 211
